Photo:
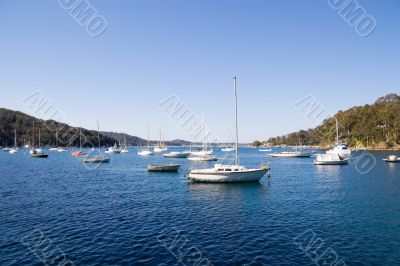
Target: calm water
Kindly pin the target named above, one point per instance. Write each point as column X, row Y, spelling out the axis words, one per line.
column 119, row 214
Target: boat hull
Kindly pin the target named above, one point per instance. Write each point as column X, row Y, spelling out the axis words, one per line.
column 224, row 177
column 163, row 168
column 96, row 160
column 291, row 155
column 176, row 155
column 331, row 163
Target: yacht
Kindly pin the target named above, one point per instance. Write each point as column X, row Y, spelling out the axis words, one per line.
column 36, row 152
column 340, row 149
column 160, row 146
column 329, row 159
column 203, row 155
column 113, row 150
column 124, row 149
column 229, row 173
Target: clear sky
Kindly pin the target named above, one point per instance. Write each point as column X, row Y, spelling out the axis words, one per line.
column 281, row 51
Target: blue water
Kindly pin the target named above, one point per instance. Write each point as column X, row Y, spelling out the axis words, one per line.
column 119, row 214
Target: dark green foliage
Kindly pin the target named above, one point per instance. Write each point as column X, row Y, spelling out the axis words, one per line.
column 67, row 135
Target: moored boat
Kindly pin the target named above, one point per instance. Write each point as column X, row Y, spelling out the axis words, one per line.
column 392, row 159
column 329, row 159
column 100, row 157
column 291, row 154
column 177, row 154
column 163, row 167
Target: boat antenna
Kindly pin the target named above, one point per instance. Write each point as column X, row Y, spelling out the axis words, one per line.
column 236, row 124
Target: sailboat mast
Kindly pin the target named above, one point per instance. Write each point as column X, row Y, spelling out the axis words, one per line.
column 80, row 139
column 236, row 124
column 39, row 138
column 33, row 135
column 98, row 133
column 148, row 135
column 337, row 132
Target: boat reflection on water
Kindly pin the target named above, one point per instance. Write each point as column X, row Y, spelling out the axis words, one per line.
column 209, row 190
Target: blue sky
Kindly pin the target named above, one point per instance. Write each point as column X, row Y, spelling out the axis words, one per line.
column 281, row 51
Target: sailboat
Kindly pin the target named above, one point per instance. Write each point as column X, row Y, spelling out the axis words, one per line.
column 15, row 148
column 204, row 155
column 113, row 150
column 146, row 151
column 124, row 149
column 79, row 152
column 37, row 152
column 100, row 158
column 340, row 149
column 160, row 147
column 204, row 151
column 229, row 173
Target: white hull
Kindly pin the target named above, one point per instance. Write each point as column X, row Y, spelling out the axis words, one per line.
column 329, row 159
column 227, row 149
column 160, row 149
column 201, row 153
column 124, row 151
column 13, row 151
column 203, row 159
column 291, row 154
column 206, row 175
column 176, row 155
column 145, row 153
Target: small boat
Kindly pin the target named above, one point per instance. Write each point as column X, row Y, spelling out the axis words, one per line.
column 177, row 154
column 206, row 158
column 100, row 158
column 291, row 154
column 392, row 159
column 6, row 149
column 145, row 152
column 163, row 167
column 53, row 149
column 264, row 150
column 79, row 152
column 61, row 149
column 229, row 173
column 329, row 159
column 124, row 149
column 113, row 150
column 36, row 154
column 228, row 149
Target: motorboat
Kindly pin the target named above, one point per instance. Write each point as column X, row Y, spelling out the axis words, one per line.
column 113, row 150
column 329, row 159
column 229, row 173
column 392, row 159
column 177, row 154
column 163, row 167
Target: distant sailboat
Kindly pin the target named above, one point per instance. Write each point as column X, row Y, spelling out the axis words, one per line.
column 146, row 151
column 100, row 157
column 160, row 147
column 37, row 152
column 15, row 148
column 124, row 149
column 229, row 173
column 204, row 155
column 79, row 152
column 340, row 149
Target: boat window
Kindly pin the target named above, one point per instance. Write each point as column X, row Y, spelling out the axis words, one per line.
column 220, row 169
column 236, row 170
column 228, row 170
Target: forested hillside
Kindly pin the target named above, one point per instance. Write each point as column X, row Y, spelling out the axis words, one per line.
column 376, row 125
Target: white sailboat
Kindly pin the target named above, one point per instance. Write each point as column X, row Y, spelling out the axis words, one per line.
column 146, row 151
column 340, row 149
column 229, row 173
column 100, row 157
column 113, row 150
column 204, row 155
column 124, row 149
column 37, row 152
column 15, row 148
column 204, row 151
column 160, row 146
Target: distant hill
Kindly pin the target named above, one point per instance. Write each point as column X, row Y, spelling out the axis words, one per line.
column 376, row 125
column 67, row 135
column 136, row 141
